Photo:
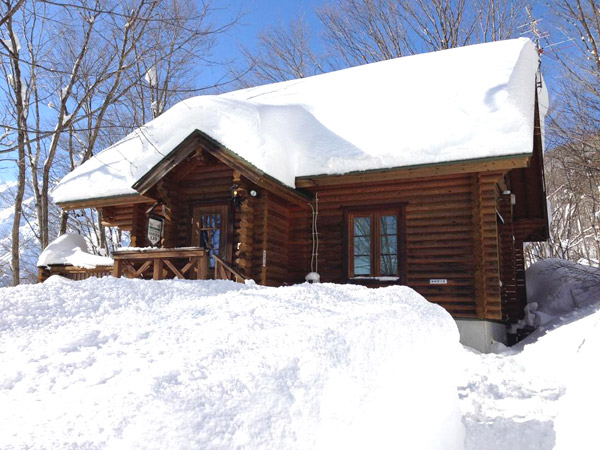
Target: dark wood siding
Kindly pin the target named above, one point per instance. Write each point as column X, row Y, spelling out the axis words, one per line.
column 450, row 223
column 451, row 233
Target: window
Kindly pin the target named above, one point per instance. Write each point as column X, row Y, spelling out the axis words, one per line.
column 374, row 239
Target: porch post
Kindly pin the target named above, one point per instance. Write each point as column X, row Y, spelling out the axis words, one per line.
column 117, row 268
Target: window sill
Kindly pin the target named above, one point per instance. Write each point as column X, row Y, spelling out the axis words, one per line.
column 374, row 280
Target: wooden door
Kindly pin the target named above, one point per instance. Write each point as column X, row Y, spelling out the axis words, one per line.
column 210, row 230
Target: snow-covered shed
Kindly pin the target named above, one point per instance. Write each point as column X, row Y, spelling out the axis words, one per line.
column 69, row 255
column 424, row 170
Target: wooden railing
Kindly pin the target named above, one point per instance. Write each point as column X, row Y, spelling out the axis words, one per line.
column 224, row 271
column 72, row 272
column 190, row 263
column 162, row 263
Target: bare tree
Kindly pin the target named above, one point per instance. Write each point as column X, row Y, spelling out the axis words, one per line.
column 18, row 98
column 364, row 31
column 284, row 52
column 573, row 194
column 122, row 64
column 573, row 166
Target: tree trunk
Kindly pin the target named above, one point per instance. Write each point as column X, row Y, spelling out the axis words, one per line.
column 15, row 256
column 13, row 52
column 64, row 218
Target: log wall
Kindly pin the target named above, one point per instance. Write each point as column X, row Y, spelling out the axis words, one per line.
column 451, row 233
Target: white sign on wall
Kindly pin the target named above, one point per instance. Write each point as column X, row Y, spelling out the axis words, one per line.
column 155, row 229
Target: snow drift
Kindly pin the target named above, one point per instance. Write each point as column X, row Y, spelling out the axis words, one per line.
column 190, row 364
column 557, row 286
column 479, row 100
column 543, row 392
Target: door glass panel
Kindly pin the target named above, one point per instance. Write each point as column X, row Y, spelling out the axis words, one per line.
column 210, row 234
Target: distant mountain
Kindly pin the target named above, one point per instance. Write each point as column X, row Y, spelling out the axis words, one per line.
column 29, row 244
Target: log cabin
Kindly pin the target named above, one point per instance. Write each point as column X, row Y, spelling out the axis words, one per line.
column 425, row 171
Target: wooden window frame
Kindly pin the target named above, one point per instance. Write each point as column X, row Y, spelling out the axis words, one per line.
column 375, row 211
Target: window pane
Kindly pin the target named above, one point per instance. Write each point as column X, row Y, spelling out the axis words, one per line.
column 389, row 245
column 389, row 265
column 362, row 226
column 362, row 245
column 389, row 224
column 362, row 265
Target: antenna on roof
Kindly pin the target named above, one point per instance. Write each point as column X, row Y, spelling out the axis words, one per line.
column 534, row 30
column 537, row 34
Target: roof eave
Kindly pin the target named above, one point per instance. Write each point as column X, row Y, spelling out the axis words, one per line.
column 99, row 202
column 487, row 164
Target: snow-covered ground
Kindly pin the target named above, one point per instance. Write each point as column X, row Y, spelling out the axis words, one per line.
column 118, row 363
column 544, row 392
column 108, row 363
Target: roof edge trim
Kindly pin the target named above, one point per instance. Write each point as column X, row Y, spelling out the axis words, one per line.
column 487, row 164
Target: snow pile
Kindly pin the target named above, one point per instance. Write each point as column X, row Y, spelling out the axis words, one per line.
column 542, row 393
column 71, row 249
column 577, row 422
column 556, row 286
column 186, row 364
column 479, row 100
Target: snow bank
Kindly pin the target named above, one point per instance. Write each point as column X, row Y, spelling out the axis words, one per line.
column 71, row 248
column 187, row 364
column 577, row 422
column 556, row 286
column 479, row 100
column 543, row 392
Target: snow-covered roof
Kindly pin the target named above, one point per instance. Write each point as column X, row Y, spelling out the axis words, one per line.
column 460, row 104
column 71, row 249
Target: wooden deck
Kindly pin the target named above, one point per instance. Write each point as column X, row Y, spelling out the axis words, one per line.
column 162, row 263
column 191, row 263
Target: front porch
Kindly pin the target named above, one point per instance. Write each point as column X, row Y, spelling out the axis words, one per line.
column 188, row 263
column 191, row 263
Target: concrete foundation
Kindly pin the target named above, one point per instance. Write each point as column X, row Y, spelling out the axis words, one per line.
column 480, row 334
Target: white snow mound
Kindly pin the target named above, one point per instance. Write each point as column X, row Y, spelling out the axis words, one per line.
column 543, row 392
column 479, row 100
column 118, row 363
column 558, row 286
column 71, row 249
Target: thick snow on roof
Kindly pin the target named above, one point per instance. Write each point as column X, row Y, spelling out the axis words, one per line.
column 71, row 249
column 116, row 363
column 465, row 103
